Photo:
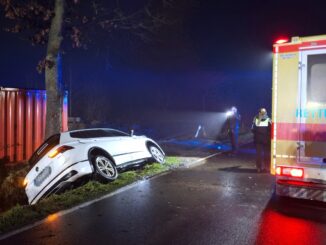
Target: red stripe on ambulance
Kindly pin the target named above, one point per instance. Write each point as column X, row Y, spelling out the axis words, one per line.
column 300, row 132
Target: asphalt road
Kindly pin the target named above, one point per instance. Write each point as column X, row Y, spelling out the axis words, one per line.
column 223, row 201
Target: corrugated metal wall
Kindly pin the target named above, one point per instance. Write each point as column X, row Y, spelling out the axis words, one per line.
column 22, row 122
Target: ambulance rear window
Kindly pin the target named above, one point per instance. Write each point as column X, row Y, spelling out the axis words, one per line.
column 316, row 78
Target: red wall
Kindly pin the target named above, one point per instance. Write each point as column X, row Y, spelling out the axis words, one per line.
column 22, row 122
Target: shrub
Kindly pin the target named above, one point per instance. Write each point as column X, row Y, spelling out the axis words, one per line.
column 11, row 190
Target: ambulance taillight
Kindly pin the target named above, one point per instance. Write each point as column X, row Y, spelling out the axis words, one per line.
column 289, row 172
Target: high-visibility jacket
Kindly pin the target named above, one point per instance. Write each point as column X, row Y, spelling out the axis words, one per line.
column 261, row 128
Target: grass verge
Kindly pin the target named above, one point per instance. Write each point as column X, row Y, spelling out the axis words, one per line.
column 22, row 215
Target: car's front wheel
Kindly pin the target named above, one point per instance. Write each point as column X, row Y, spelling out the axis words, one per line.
column 105, row 169
column 156, row 154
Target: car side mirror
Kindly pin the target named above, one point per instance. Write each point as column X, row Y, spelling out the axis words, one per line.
column 131, row 132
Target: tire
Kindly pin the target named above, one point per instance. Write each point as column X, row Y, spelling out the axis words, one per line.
column 157, row 154
column 105, row 169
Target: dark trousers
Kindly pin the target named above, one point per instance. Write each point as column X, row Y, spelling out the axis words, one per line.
column 233, row 136
column 263, row 156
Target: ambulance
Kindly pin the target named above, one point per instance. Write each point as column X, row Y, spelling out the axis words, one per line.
column 298, row 144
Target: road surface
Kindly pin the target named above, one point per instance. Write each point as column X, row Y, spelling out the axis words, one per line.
column 223, row 201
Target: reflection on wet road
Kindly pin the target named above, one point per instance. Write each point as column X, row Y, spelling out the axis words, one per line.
column 292, row 221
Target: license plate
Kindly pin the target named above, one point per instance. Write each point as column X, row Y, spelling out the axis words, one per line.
column 42, row 176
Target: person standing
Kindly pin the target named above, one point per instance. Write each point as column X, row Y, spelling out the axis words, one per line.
column 233, row 126
column 261, row 128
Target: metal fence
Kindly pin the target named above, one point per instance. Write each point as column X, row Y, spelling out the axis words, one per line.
column 22, row 122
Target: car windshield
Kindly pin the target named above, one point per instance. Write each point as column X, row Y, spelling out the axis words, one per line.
column 97, row 133
column 44, row 148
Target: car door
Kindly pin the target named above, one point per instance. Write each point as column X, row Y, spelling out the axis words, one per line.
column 120, row 145
column 116, row 143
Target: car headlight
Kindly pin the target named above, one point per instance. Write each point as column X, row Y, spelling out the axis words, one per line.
column 25, row 182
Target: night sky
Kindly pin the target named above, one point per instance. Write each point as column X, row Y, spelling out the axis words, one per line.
column 219, row 57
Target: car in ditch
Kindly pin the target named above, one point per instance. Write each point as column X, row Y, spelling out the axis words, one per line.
column 65, row 159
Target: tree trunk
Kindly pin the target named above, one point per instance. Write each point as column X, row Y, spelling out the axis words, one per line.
column 52, row 79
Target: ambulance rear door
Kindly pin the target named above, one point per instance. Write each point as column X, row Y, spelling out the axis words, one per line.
column 311, row 111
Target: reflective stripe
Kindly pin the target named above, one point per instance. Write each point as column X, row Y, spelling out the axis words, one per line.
column 262, row 123
column 301, row 192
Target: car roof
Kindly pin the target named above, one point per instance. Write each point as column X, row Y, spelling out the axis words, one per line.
column 65, row 136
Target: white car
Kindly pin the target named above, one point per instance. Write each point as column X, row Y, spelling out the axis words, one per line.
column 67, row 157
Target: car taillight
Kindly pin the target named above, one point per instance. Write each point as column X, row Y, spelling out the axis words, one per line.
column 289, row 171
column 60, row 149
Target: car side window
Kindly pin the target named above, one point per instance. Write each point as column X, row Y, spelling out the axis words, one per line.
column 87, row 134
column 115, row 133
column 97, row 133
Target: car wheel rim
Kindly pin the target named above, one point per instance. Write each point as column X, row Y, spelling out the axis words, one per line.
column 157, row 154
column 105, row 166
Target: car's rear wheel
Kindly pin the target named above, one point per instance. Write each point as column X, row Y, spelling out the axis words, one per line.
column 157, row 154
column 105, row 169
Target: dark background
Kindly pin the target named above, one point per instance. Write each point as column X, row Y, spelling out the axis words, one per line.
column 221, row 56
